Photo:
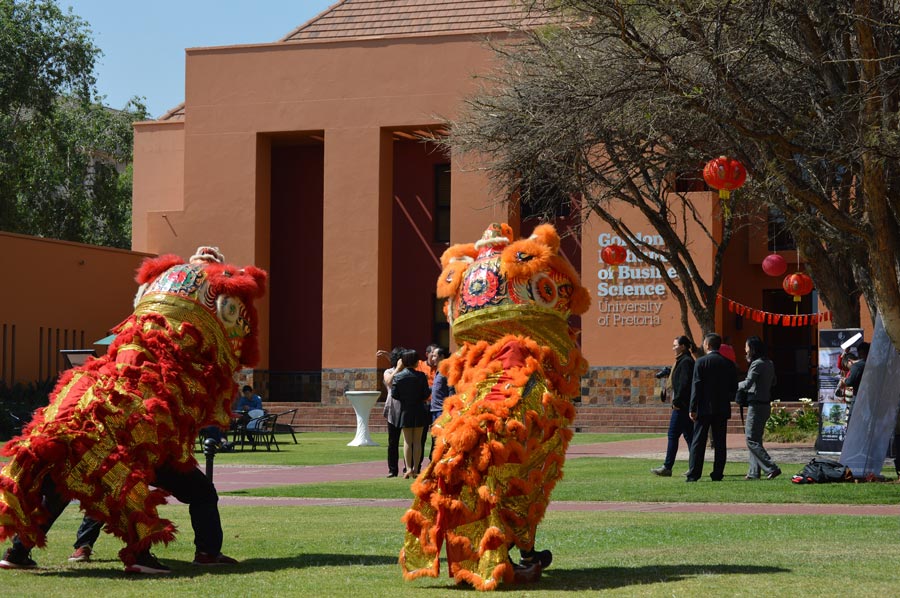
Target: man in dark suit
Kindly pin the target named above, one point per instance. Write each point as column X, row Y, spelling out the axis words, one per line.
column 712, row 391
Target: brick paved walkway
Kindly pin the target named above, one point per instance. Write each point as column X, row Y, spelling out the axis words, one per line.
column 230, row 478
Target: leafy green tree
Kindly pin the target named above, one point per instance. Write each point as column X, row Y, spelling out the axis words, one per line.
column 63, row 156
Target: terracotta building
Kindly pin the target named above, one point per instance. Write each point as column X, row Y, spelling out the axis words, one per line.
column 304, row 157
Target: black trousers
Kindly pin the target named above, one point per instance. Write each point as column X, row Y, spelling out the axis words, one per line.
column 192, row 488
column 393, row 448
column 718, row 424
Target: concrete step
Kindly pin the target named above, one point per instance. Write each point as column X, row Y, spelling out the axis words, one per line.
column 652, row 419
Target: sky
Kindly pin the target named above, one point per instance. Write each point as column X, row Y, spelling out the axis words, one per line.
column 143, row 43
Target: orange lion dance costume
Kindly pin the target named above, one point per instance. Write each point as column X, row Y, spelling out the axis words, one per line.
column 501, row 441
column 113, row 421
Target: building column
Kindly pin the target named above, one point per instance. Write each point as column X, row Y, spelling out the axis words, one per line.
column 356, row 259
column 474, row 205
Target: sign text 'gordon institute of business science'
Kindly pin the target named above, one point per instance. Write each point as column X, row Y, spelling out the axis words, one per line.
column 632, row 294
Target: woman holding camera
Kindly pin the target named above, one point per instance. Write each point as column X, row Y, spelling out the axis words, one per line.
column 756, row 391
column 679, row 385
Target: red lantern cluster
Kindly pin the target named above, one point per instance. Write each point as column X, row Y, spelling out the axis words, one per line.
column 614, row 255
column 725, row 174
column 774, row 265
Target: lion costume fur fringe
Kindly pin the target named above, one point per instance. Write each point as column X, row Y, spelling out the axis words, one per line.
column 500, row 442
column 113, row 421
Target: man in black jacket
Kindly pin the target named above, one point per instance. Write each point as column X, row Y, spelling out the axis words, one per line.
column 712, row 391
column 679, row 385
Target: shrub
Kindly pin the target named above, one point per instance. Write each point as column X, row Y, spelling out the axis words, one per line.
column 795, row 425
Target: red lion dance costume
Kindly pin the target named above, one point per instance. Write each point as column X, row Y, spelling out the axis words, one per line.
column 501, row 441
column 113, row 421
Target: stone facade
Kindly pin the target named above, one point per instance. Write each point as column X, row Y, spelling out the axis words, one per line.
column 337, row 381
column 621, row 386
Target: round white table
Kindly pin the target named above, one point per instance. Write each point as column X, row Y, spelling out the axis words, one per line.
column 362, row 401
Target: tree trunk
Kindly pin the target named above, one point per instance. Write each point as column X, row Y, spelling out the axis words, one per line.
column 833, row 276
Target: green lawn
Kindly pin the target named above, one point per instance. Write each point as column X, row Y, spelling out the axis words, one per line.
column 329, row 448
column 624, row 479
column 351, row 551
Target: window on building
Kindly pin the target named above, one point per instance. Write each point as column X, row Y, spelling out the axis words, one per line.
column 442, row 203
column 440, row 328
column 690, row 182
column 544, row 200
column 779, row 236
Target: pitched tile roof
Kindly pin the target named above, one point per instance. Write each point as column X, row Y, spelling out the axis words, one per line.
column 356, row 19
column 176, row 113
column 402, row 18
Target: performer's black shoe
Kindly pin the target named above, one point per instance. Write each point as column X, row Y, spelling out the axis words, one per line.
column 17, row 559
column 148, row 563
column 530, row 557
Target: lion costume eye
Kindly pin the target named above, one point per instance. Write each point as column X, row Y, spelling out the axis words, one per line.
column 227, row 309
column 544, row 290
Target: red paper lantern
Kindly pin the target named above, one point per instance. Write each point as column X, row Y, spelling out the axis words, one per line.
column 725, row 174
column 774, row 265
column 614, row 255
column 797, row 284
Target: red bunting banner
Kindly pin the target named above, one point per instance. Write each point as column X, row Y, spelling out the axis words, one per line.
column 764, row 317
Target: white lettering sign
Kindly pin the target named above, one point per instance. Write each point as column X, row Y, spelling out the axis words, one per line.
column 631, row 294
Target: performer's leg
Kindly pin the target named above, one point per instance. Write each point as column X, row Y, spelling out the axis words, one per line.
column 19, row 554
column 720, row 452
column 434, row 416
column 418, row 447
column 698, row 449
column 407, row 451
column 412, row 449
column 195, row 489
column 422, row 449
column 88, row 532
column 393, row 449
column 672, row 445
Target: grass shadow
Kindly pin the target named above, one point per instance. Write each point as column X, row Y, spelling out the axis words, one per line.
column 607, row 578
column 185, row 570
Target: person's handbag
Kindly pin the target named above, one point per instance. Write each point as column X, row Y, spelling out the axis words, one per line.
column 741, row 398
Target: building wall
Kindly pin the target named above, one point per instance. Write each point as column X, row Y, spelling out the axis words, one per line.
column 158, row 180
column 241, row 100
column 58, row 295
column 633, row 318
column 378, row 266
